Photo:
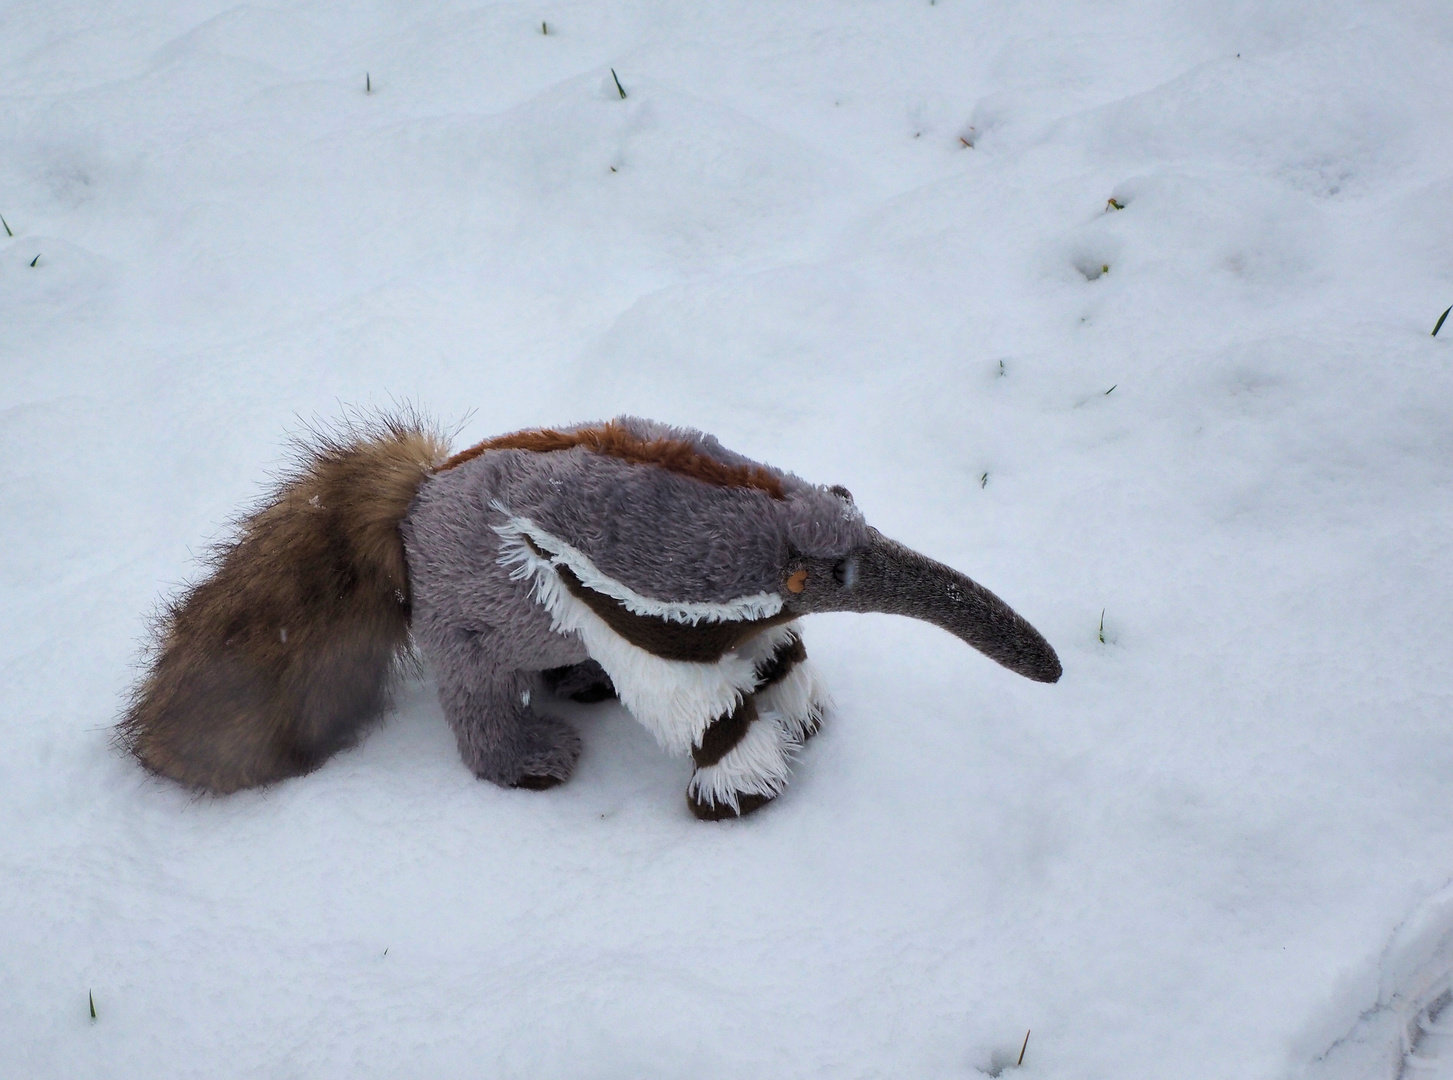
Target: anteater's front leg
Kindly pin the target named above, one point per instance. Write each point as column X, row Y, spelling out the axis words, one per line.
column 743, row 759
column 742, row 763
column 790, row 689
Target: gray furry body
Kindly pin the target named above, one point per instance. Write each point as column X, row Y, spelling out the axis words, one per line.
column 627, row 558
column 481, row 628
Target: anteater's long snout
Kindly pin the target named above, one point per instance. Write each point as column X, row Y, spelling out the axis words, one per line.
column 887, row 577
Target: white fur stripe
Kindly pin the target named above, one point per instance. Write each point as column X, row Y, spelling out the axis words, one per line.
column 758, row 765
column 512, row 533
column 798, row 700
column 675, row 700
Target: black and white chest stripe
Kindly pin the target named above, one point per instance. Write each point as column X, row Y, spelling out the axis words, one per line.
column 728, row 683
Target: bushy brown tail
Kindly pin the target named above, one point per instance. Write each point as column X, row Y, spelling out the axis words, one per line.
column 289, row 647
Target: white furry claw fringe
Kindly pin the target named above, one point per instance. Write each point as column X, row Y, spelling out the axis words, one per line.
column 799, row 701
column 761, row 765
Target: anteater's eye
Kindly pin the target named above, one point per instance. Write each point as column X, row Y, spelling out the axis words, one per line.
column 841, row 492
column 845, row 573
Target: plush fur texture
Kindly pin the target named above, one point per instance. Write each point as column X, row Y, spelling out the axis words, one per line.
column 675, row 700
column 280, row 656
column 627, row 558
column 618, row 439
column 599, row 540
column 744, row 760
column 665, row 534
column 797, row 698
column 885, row 576
column 703, row 643
column 759, row 764
column 522, row 536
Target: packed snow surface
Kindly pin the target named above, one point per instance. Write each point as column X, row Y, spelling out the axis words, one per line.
column 1204, row 442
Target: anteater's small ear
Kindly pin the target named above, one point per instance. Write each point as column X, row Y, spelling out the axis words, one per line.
column 841, row 492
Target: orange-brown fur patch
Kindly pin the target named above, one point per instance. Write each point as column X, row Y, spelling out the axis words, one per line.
column 616, row 440
column 288, row 648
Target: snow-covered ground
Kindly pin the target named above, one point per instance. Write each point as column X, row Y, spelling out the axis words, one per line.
column 1220, row 847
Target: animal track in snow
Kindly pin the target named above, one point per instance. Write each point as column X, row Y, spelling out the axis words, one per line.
column 1427, row 1035
column 1400, row 1025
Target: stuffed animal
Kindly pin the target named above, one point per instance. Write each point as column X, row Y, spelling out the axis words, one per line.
column 626, row 559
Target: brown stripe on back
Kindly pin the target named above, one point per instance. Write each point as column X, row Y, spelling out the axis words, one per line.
column 616, row 440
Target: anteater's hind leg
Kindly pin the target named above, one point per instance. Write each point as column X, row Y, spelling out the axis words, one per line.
column 491, row 709
column 744, row 759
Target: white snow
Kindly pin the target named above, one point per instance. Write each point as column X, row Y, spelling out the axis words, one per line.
column 1220, row 847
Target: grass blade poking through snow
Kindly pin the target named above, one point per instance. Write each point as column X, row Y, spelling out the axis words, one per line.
column 91, row 1000
column 367, row 83
column 1022, row 1048
column 1439, row 324
column 35, row 260
column 1102, row 641
column 619, row 87
column 9, row 233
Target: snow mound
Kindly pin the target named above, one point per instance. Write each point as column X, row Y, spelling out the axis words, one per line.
column 1123, row 309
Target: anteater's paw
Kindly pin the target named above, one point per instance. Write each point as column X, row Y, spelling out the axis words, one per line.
column 796, row 699
column 551, row 749
column 724, row 811
column 586, row 683
column 739, row 768
column 805, row 725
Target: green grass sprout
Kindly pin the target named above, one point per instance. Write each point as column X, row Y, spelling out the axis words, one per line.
column 1439, row 324
column 619, row 87
column 6, row 224
column 92, row 1001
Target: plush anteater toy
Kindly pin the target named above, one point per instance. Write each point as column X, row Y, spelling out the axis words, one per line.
column 627, row 558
